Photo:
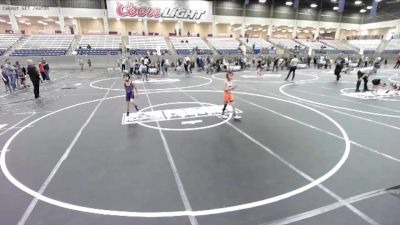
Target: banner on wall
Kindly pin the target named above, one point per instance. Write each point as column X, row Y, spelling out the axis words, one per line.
column 168, row 10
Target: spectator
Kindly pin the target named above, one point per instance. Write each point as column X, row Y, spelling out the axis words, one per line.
column 123, row 62
column 5, row 79
column 12, row 75
column 80, row 62
column 292, row 67
column 46, row 70
column 89, row 62
column 41, row 69
column 162, row 68
column 35, row 77
column 20, row 74
column 89, row 47
column 397, row 62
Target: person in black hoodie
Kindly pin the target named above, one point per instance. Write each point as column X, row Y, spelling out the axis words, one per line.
column 35, row 77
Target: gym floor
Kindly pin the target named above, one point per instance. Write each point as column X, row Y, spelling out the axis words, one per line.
column 305, row 152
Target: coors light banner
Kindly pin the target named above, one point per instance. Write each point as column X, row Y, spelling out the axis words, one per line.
column 168, row 10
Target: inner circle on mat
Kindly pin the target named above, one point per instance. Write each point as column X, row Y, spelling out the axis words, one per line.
column 86, row 209
column 185, row 116
column 170, row 80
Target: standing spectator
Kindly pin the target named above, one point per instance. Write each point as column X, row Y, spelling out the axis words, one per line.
column 397, row 62
column 123, row 62
column 12, row 75
column 5, row 79
column 166, row 65
column 35, row 77
column 89, row 62
column 162, row 68
column 292, row 67
column 275, row 64
column 147, row 62
column 20, row 74
column 89, row 47
column 129, row 66
column 41, row 70
column 46, row 70
column 80, row 62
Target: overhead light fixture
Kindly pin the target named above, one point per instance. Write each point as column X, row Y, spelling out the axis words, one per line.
column 9, row 22
column 216, row 23
column 71, row 17
column 313, row 5
column 198, row 21
column 3, row 21
column 250, row 28
column 334, row 1
column 262, row 1
column 160, row 20
column 28, row 23
column 140, row 19
column 358, row 2
column 259, row 29
column 57, row 22
column 289, row 3
column 45, row 17
column 232, row 24
column 369, row 7
column 118, row 19
column 362, row 10
column 95, row 18
column 378, row 0
column 265, row 30
column 335, row 8
column 16, row 15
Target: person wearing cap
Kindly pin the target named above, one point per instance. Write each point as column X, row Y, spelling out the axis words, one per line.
column 130, row 89
column 364, row 74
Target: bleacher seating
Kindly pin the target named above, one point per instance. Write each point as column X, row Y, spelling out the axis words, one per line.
column 289, row 45
column 44, row 45
column 7, row 40
column 284, row 43
column 258, row 43
column 143, row 45
column 369, row 46
column 314, row 45
column 393, row 47
column 100, row 44
column 186, row 45
column 225, row 46
column 342, row 47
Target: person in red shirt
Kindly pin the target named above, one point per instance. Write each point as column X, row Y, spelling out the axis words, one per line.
column 398, row 62
column 41, row 70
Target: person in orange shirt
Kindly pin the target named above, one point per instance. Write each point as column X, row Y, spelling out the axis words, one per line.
column 228, row 96
column 397, row 62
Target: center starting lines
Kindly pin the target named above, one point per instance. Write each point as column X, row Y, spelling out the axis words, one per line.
column 175, row 114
